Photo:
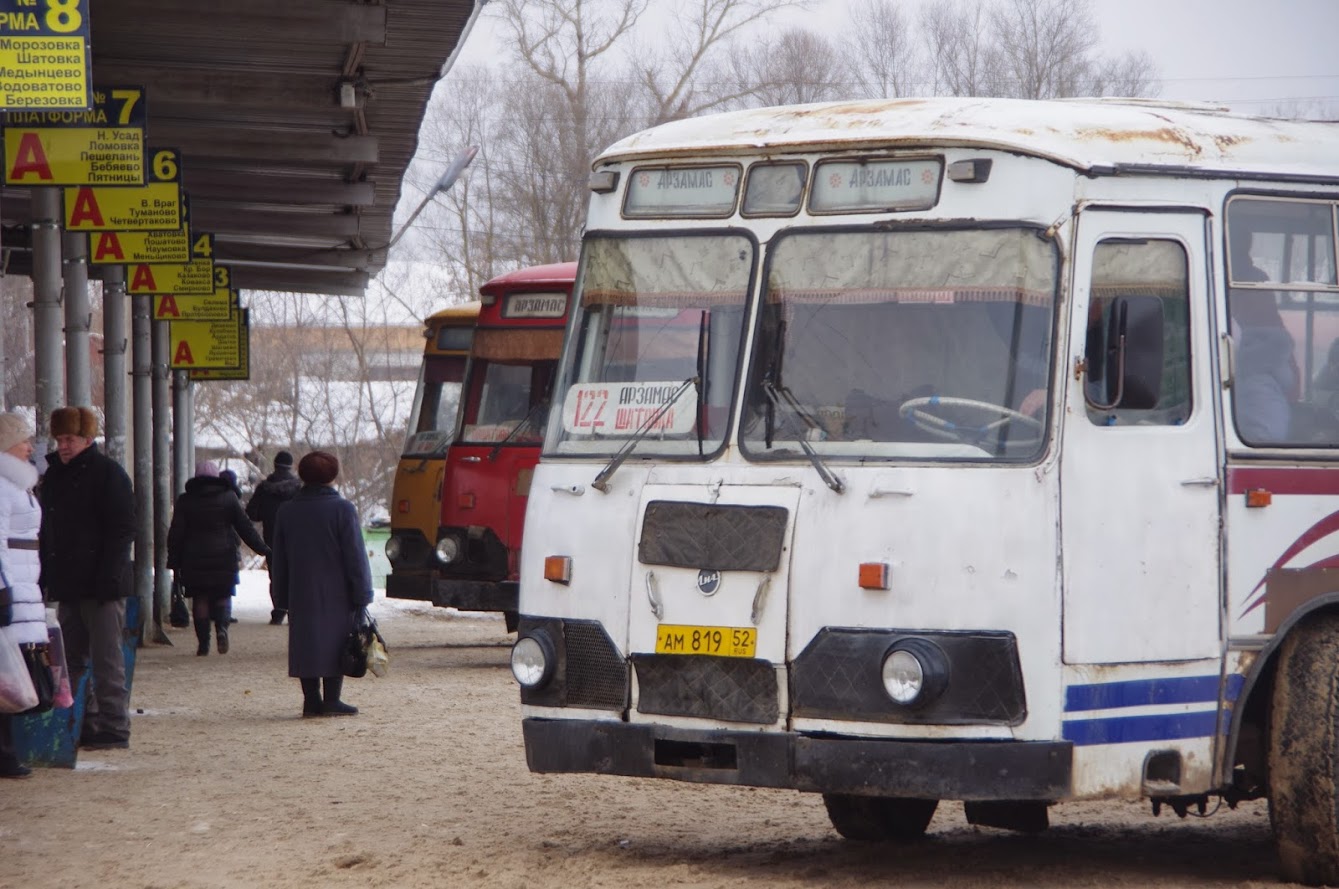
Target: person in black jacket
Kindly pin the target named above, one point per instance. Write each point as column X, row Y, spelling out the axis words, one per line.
column 88, row 526
column 202, row 547
column 277, row 488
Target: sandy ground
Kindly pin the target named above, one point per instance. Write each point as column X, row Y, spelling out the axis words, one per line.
column 225, row 786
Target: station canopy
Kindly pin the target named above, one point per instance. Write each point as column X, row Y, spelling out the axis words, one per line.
column 295, row 122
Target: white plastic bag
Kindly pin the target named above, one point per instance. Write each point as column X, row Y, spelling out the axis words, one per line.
column 378, row 661
column 16, row 684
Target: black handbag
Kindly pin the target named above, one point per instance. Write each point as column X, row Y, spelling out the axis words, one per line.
column 180, row 615
column 37, row 658
column 353, row 656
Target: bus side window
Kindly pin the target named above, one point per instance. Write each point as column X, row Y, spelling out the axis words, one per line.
column 1139, row 269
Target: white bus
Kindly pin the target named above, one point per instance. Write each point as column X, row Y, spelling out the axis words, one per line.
column 951, row 449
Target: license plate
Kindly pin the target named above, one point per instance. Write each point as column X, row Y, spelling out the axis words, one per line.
column 720, row 641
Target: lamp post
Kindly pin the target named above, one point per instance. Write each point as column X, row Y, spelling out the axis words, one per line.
column 443, row 184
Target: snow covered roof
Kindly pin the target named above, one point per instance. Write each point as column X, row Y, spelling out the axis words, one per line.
column 1087, row 134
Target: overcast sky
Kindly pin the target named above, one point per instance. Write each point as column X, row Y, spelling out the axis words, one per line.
column 1255, row 55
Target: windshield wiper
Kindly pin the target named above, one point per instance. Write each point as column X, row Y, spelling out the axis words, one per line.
column 525, row 421
column 601, row 482
column 775, row 395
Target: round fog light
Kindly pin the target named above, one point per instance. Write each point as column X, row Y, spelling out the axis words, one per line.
column 903, row 676
column 393, row 548
column 914, row 671
column 447, row 549
column 532, row 661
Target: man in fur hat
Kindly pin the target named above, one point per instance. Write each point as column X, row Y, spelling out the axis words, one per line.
column 88, row 527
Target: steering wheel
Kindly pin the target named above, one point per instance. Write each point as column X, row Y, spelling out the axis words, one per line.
column 917, row 410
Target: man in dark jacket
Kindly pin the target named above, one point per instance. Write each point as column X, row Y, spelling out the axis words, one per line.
column 88, row 526
column 277, row 488
column 202, row 548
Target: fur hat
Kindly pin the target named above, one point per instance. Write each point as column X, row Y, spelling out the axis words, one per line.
column 207, row 467
column 14, row 428
column 283, row 458
column 79, row 421
column 318, row 468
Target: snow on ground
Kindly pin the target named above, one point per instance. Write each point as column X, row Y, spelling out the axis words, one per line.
column 253, row 601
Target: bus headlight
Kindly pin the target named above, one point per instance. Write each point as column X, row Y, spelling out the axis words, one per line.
column 447, row 550
column 532, row 660
column 393, row 548
column 915, row 672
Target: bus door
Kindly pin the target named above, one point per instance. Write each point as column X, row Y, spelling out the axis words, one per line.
column 1140, row 486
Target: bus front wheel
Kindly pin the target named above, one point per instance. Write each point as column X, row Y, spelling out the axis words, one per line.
column 879, row 819
column 1304, row 753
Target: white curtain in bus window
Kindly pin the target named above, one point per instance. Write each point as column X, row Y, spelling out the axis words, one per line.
column 856, row 325
column 774, row 189
column 704, row 192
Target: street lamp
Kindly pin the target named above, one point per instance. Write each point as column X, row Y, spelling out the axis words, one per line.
column 443, row 184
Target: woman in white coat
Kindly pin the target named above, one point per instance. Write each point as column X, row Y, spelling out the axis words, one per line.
column 20, row 518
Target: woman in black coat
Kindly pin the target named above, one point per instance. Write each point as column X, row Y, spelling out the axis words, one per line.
column 319, row 573
column 202, row 547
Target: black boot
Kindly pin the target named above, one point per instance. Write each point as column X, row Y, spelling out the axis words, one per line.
column 221, row 616
column 331, row 703
column 311, row 698
column 202, row 635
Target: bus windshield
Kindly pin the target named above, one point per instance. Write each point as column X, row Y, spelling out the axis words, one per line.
column 436, row 405
column 911, row 344
column 654, row 313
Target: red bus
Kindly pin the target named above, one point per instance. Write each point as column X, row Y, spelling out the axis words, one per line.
column 472, row 564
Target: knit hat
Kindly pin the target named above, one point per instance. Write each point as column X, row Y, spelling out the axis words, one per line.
column 79, row 421
column 207, row 467
column 283, row 458
column 318, row 468
column 14, row 428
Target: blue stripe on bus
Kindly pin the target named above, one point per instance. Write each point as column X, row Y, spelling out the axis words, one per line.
column 1128, row 729
column 1146, row 692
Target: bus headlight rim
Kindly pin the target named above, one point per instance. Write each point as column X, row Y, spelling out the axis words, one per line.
column 914, row 672
column 447, row 550
column 533, row 660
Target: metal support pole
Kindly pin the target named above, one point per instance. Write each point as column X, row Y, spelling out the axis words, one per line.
column 183, row 457
column 48, row 360
column 78, row 320
column 115, row 313
column 141, row 311
column 162, row 468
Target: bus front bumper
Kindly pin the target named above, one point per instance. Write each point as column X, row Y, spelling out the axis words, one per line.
column 956, row 770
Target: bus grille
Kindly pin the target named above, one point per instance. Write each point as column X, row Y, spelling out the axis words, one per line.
column 726, row 688
column 596, row 674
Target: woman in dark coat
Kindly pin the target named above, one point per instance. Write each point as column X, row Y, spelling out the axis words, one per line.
column 202, row 547
column 319, row 573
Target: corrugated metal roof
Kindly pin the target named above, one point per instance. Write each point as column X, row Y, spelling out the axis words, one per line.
column 298, row 189
column 1085, row 134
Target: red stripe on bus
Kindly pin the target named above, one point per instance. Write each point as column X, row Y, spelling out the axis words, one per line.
column 1282, row 480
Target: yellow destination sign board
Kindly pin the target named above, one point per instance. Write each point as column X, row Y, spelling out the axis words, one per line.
column 206, row 344
column 44, row 54
column 123, row 248
column 243, row 370
column 199, row 276
column 101, row 146
column 153, row 207
column 217, row 306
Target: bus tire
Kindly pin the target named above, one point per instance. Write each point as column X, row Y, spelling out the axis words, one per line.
column 879, row 819
column 1304, row 753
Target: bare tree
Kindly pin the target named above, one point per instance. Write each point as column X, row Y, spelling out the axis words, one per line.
column 884, row 59
column 1043, row 46
column 798, row 66
column 963, row 61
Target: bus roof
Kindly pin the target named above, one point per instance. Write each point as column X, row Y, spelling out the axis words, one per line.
column 464, row 314
column 558, row 274
column 1096, row 135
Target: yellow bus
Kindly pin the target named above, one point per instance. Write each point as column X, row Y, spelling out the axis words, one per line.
column 416, row 494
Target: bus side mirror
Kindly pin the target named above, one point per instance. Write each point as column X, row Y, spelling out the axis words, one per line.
column 1131, row 362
